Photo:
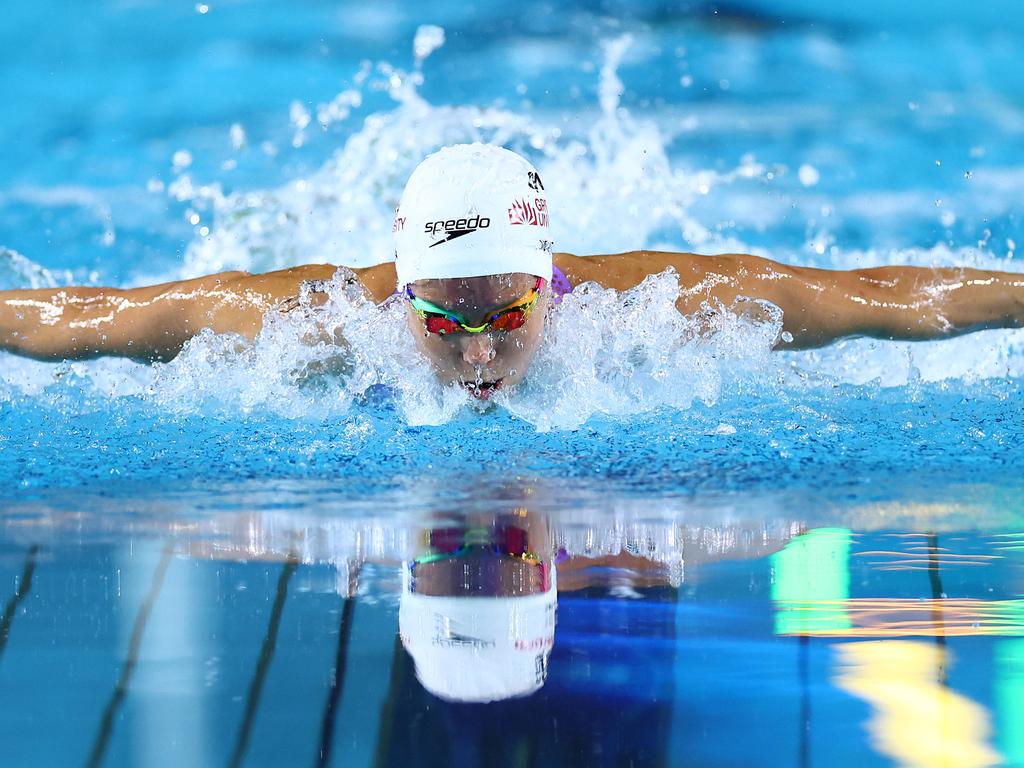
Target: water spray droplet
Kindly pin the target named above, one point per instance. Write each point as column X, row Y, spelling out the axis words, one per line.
column 808, row 175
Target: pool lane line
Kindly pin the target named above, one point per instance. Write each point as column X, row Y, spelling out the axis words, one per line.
column 102, row 740
column 935, row 579
column 337, row 683
column 263, row 664
column 20, row 593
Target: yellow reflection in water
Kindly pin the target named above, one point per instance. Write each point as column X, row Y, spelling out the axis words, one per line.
column 916, row 720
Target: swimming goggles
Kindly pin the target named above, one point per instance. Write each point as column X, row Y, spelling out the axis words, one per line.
column 444, row 321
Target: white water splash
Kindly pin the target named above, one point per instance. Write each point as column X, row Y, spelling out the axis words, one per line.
column 16, row 271
column 650, row 357
column 632, row 352
column 300, row 365
column 610, row 179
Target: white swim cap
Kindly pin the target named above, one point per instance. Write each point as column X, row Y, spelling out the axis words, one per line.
column 472, row 210
column 478, row 649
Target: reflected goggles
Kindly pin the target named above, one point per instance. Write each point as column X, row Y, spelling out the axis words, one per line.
column 505, row 541
column 444, row 321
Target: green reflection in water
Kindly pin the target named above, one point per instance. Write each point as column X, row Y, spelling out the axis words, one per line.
column 811, row 579
column 1010, row 699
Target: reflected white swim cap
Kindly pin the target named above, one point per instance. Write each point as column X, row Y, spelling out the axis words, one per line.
column 472, row 210
column 478, row 649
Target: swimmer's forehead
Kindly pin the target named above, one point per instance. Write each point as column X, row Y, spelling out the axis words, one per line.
column 488, row 291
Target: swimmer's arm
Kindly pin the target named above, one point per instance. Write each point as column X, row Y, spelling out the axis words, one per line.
column 150, row 323
column 895, row 303
column 822, row 306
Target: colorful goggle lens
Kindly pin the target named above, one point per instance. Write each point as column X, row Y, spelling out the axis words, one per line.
column 443, row 322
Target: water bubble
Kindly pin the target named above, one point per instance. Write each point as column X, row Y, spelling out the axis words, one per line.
column 808, row 175
column 181, row 160
column 237, row 135
column 428, row 39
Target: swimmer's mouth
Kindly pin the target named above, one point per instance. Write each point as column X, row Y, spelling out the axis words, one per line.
column 483, row 389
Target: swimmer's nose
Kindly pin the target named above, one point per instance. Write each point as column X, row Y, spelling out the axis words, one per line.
column 478, row 349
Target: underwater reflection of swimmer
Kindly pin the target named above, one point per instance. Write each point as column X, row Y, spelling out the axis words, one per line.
column 477, row 611
column 610, row 684
column 476, row 273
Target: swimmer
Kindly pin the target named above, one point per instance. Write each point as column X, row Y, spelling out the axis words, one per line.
column 475, row 268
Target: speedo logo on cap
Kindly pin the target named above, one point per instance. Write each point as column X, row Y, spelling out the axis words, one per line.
column 449, row 229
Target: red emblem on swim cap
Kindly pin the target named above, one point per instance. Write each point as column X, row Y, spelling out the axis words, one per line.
column 524, row 212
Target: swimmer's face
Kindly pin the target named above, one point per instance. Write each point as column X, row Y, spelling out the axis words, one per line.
column 483, row 362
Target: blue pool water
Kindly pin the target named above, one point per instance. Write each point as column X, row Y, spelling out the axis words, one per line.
column 790, row 527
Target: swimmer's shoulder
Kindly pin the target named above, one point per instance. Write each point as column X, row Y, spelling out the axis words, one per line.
column 379, row 281
column 625, row 270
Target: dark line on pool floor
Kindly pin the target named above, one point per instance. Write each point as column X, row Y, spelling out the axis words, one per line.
column 263, row 664
column 20, row 592
column 935, row 579
column 399, row 662
column 337, row 683
column 102, row 741
column 805, row 701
